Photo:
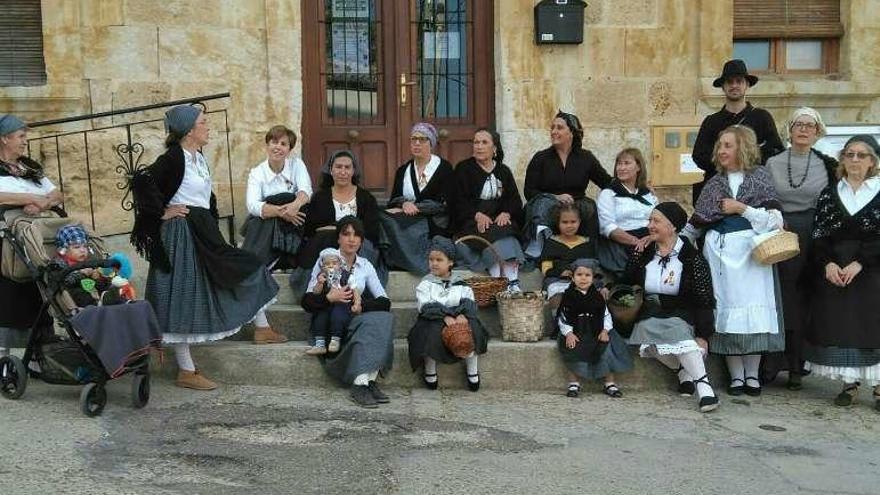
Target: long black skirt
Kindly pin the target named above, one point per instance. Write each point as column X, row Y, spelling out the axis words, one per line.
column 425, row 341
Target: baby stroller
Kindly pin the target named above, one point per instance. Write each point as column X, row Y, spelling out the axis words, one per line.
column 101, row 343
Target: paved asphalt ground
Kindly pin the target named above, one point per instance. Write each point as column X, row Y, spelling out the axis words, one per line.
column 261, row 441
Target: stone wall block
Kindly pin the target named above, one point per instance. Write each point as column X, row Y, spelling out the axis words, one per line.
column 672, row 99
column 98, row 13
column 120, row 53
column 632, row 12
column 519, row 57
column 60, row 16
column 607, row 101
column 667, row 51
column 606, row 142
column 202, row 13
column 62, row 54
column 604, row 51
column 200, row 53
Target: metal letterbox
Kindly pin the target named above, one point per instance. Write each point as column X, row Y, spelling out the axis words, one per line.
column 559, row 21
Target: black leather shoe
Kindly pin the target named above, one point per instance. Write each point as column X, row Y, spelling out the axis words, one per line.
column 686, row 388
column 473, row 387
column 361, row 395
column 430, row 385
column 708, row 403
column 735, row 389
column 377, row 393
column 750, row 390
column 794, row 382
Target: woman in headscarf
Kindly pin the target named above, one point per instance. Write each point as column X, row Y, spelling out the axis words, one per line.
column 561, row 173
column 201, row 288
column 677, row 318
column 340, row 196
column 487, row 204
column 735, row 207
column 799, row 176
column 22, row 185
column 444, row 299
column 278, row 194
column 418, row 209
column 843, row 342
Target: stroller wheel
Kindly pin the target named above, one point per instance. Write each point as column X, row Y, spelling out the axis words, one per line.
column 140, row 390
column 13, row 377
column 92, row 399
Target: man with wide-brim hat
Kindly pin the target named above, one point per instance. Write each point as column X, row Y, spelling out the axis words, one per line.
column 735, row 81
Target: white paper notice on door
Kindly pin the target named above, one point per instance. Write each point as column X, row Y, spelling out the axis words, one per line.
column 445, row 45
column 687, row 164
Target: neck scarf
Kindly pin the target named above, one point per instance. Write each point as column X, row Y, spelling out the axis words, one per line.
column 756, row 191
column 622, row 192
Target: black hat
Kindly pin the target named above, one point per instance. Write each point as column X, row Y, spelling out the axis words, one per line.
column 674, row 213
column 733, row 68
column 867, row 139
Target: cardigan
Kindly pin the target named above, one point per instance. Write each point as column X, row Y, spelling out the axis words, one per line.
column 469, row 181
column 545, row 173
column 695, row 296
column 323, row 213
column 152, row 188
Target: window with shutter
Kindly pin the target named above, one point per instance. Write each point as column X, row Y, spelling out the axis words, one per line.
column 788, row 36
column 21, row 36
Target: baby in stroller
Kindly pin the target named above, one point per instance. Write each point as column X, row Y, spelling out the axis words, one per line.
column 102, row 341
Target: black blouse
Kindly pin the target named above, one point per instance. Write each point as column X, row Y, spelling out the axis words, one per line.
column 469, row 180
column 323, row 213
column 545, row 173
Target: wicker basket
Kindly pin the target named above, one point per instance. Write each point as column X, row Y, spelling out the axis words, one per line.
column 780, row 247
column 522, row 316
column 624, row 316
column 485, row 288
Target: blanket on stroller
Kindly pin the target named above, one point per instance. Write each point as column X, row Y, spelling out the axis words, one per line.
column 119, row 334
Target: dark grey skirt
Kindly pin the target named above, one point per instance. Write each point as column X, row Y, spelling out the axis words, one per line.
column 270, row 241
column 406, row 241
column 189, row 307
column 615, row 358
column 368, row 347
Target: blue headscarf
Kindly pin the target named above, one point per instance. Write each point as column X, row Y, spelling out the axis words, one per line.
column 9, row 124
column 181, row 119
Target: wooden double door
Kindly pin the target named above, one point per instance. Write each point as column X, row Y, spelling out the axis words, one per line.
column 373, row 68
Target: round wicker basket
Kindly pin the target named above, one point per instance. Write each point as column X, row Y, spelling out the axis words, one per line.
column 780, row 247
column 522, row 316
column 485, row 288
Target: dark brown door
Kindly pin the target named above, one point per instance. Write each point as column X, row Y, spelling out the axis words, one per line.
column 372, row 68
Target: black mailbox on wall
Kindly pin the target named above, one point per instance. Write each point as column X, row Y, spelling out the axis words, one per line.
column 559, row 21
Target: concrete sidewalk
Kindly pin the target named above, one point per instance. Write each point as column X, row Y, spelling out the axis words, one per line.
column 267, row 440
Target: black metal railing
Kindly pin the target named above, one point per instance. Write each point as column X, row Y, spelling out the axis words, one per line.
column 109, row 155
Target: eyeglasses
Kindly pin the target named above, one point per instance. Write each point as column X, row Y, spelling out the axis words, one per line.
column 807, row 126
column 419, row 139
column 852, row 155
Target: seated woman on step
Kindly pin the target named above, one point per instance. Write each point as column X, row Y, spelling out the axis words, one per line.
column 445, row 301
column 676, row 319
column 367, row 344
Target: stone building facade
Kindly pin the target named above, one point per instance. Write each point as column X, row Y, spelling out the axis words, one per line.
column 643, row 63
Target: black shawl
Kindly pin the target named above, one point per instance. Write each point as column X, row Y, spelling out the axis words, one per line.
column 469, row 180
column 323, row 213
column 152, row 188
column 834, row 224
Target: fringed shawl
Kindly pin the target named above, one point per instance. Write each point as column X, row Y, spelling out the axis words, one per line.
column 756, row 191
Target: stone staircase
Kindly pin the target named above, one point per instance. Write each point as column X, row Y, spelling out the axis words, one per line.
column 506, row 365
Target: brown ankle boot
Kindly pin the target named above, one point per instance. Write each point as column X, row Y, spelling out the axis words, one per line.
column 194, row 380
column 265, row 335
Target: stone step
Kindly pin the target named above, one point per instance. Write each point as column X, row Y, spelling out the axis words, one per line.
column 507, row 366
column 293, row 321
column 401, row 286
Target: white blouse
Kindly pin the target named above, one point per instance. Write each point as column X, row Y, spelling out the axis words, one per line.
column 492, row 188
column 195, row 188
column 430, row 290
column 409, row 189
column 854, row 201
column 18, row 185
column 345, row 209
column 623, row 213
column 264, row 182
column 363, row 275
column 664, row 280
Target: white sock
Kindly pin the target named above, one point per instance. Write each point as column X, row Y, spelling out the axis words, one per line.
column 4, row 352
column 472, row 367
column 736, row 368
column 260, row 320
column 184, row 358
column 430, row 369
column 511, row 271
column 751, row 365
column 693, row 365
column 672, row 362
column 373, row 375
column 495, row 270
column 363, row 379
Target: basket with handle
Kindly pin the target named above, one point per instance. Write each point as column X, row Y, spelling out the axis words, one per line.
column 779, row 247
column 485, row 288
column 522, row 316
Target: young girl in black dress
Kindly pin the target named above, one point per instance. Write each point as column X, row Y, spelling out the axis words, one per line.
column 562, row 249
